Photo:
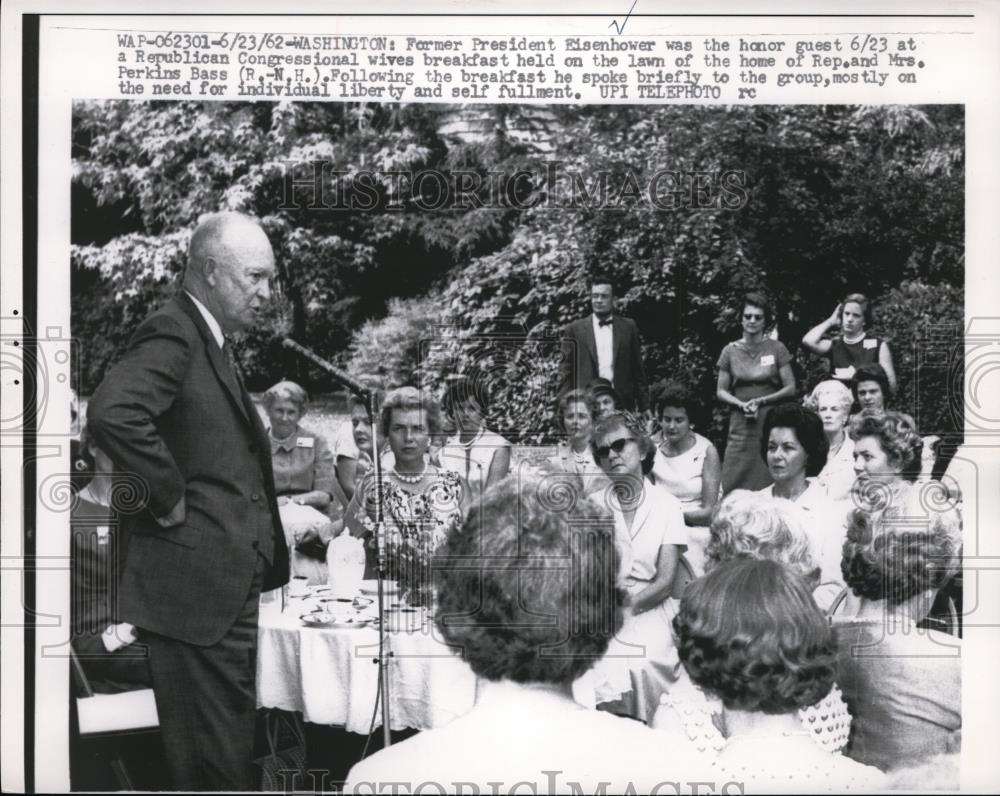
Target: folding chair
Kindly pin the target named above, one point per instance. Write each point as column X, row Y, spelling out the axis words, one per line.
column 110, row 715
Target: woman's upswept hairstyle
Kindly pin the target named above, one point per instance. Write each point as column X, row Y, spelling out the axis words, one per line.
column 286, row 391
column 411, row 398
column 808, row 430
column 634, row 426
column 884, row 558
column 527, row 586
column 897, row 435
column 752, row 525
column 750, row 634
column 833, row 389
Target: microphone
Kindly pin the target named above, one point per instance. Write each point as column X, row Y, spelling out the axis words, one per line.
column 356, row 387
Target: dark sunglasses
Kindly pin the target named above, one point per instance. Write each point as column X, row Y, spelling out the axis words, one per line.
column 750, row 316
column 617, row 446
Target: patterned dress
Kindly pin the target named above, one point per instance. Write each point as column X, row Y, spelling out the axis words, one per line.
column 416, row 525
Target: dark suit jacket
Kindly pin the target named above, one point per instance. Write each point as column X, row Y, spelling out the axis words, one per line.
column 579, row 361
column 172, row 413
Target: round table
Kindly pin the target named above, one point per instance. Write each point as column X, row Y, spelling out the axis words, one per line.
column 330, row 675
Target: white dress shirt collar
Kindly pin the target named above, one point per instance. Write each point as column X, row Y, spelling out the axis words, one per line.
column 210, row 320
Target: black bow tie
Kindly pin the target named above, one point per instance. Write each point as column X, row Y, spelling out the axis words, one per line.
column 605, row 322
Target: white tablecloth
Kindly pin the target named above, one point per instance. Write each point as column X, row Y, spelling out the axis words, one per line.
column 329, row 675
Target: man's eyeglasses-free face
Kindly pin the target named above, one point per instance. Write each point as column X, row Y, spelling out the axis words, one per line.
column 617, row 446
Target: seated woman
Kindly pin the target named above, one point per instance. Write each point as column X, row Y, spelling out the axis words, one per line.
column 794, row 447
column 102, row 643
column 528, row 599
column 354, row 448
column 750, row 525
column 870, row 387
column 687, row 466
column 832, row 401
column 303, row 480
column 855, row 346
column 887, row 461
column 422, row 503
column 480, row 456
column 902, row 684
column 603, row 398
column 749, row 634
column 573, row 454
column 651, row 535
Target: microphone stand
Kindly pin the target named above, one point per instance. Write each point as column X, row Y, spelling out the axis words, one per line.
column 369, row 397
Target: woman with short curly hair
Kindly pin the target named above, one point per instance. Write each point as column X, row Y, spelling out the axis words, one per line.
column 887, row 459
column 750, row 525
column 528, row 598
column 750, row 634
column 905, row 694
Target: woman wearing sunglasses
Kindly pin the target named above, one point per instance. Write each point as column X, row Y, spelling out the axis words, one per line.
column 650, row 534
column 755, row 372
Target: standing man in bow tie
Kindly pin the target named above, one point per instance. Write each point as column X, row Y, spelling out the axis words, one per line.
column 208, row 538
column 605, row 345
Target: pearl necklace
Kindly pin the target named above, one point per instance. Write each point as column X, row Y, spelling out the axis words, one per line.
column 410, row 479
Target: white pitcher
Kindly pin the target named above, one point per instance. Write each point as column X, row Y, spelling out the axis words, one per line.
column 345, row 559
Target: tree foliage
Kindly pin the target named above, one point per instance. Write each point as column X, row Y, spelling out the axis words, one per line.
column 805, row 202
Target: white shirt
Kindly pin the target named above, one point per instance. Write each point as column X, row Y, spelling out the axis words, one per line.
column 604, row 337
column 525, row 739
column 213, row 324
column 658, row 521
column 825, row 523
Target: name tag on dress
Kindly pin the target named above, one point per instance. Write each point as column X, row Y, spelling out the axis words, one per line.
column 304, row 442
column 843, row 373
column 869, row 343
column 766, row 359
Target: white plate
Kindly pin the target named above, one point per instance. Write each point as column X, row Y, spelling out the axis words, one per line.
column 371, row 587
column 320, row 619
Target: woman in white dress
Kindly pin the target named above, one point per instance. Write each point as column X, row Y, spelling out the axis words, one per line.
column 650, row 532
column 794, row 448
column 573, row 454
column 832, row 401
column 688, row 466
column 479, row 456
column 750, row 634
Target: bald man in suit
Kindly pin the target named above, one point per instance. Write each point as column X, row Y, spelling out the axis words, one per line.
column 605, row 345
column 208, row 538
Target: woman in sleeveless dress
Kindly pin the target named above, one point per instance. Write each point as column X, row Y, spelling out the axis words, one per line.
column 855, row 346
column 755, row 372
